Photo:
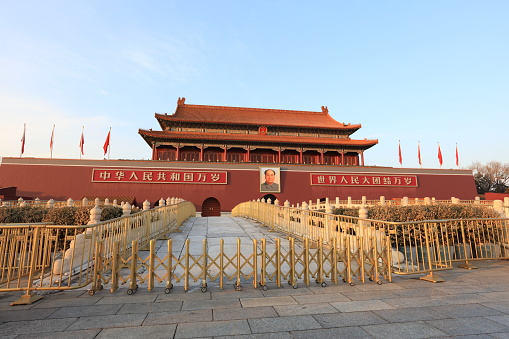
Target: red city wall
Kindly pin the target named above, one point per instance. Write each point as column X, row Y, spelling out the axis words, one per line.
column 61, row 179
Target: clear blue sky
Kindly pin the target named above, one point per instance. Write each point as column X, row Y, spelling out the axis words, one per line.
column 416, row 71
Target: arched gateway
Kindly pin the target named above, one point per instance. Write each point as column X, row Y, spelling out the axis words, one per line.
column 211, row 207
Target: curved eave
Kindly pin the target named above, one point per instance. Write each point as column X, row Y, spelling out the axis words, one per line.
column 332, row 124
column 269, row 140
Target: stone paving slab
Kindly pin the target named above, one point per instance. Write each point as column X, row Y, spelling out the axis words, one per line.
column 152, row 332
column 215, row 328
column 245, row 313
column 404, row 330
column 338, row 332
column 290, row 323
column 469, row 304
column 178, row 317
column 107, row 321
column 468, row 326
column 348, row 319
column 83, row 334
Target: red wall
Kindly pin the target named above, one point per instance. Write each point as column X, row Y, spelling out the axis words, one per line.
column 62, row 179
column 495, row 196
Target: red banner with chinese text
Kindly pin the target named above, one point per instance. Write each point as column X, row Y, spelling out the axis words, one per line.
column 159, row 176
column 363, row 180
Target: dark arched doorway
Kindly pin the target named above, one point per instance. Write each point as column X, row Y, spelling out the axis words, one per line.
column 272, row 198
column 211, row 208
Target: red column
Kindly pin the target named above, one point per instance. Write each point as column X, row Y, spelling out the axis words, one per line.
column 177, row 157
column 342, row 158
column 154, row 152
column 224, row 154
column 322, row 157
column 248, row 154
column 279, row 155
column 201, row 153
column 362, row 158
column 300, row 156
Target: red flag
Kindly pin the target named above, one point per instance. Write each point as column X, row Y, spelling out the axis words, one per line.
column 23, row 139
column 440, row 159
column 457, row 157
column 82, row 142
column 51, row 140
column 419, row 153
column 107, row 143
column 400, row 155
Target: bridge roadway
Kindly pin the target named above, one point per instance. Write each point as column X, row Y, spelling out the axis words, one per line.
column 470, row 303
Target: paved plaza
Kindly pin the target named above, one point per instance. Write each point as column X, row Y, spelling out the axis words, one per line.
column 469, row 304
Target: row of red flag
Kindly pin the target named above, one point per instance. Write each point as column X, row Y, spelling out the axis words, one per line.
column 439, row 155
column 106, row 145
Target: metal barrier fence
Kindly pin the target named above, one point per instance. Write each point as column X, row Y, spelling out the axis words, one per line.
column 256, row 263
column 51, row 203
column 415, row 247
column 51, row 257
column 323, row 204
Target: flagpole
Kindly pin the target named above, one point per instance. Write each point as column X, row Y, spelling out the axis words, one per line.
column 440, row 158
column 419, row 152
column 400, row 156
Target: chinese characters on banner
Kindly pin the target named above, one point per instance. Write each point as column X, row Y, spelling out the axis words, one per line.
column 363, row 180
column 159, row 176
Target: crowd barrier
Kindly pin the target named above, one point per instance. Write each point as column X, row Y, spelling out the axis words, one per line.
column 52, row 257
column 256, row 263
column 415, row 247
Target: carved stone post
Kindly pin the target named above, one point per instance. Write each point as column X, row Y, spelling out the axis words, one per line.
column 146, row 205
column 126, row 208
column 363, row 214
column 95, row 215
column 70, row 202
column 328, row 208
